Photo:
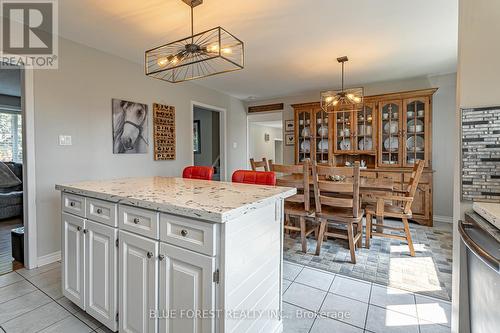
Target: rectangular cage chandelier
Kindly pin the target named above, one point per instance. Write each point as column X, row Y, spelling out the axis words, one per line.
column 207, row 53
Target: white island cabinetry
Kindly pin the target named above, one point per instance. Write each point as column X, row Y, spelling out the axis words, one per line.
column 169, row 255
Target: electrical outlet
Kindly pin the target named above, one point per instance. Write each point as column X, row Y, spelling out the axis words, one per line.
column 64, row 140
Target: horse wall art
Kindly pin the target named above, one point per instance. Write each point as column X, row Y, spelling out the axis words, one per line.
column 130, row 127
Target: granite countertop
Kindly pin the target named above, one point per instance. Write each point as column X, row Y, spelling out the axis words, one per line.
column 207, row 200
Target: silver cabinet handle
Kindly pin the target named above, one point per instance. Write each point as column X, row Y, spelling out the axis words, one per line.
column 72, row 204
column 99, row 211
column 84, row 231
column 161, row 257
column 149, row 254
column 136, row 220
column 184, row 232
column 78, row 228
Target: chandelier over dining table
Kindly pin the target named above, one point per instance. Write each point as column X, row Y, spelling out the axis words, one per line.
column 207, row 53
column 344, row 99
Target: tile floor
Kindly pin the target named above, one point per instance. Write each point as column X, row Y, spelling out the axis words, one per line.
column 388, row 261
column 314, row 301
column 6, row 263
column 319, row 301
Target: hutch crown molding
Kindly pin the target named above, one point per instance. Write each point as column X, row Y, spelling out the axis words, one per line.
column 388, row 131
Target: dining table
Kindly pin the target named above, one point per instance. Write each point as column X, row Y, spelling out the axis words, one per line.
column 367, row 186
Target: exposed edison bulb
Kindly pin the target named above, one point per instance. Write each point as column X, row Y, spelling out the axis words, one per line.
column 213, row 48
column 227, row 50
column 335, row 102
column 329, row 99
column 162, row 61
column 356, row 99
column 174, row 60
column 350, row 96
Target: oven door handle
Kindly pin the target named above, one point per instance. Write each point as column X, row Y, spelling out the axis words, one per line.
column 481, row 253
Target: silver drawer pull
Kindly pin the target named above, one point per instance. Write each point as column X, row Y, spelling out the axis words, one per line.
column 161, row 257
column 136, row 220
column 184, row 232
column 72, row 204
column 99, row 211
column 84, row 231
column 149, row 254
column 78, row 228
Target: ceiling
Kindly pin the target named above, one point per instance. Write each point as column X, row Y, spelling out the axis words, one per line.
column 290, row 46
column 10, row 82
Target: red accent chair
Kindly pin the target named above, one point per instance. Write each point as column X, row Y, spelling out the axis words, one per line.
column 198, row 172
column 254, row 177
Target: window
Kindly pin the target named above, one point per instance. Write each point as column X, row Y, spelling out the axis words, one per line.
column 11, row 144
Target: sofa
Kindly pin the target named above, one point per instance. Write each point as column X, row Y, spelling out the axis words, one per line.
column 11, row 190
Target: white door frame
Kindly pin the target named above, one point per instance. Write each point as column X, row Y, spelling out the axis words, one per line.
column 29, row 182
column 282, row 150
column 222, row 134
column 264, row 116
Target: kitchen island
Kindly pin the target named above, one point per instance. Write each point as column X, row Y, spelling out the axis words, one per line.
column 164, row 254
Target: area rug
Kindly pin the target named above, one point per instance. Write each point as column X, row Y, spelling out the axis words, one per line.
column 388, row 261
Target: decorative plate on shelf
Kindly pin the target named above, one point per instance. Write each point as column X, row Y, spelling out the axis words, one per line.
column 306, row 132
column 323, row 131
column 391, row 127
column 305, row 146
column 417, row 126
column 323, row 145
column 345, row 144
column 391, row 144
column 365, row 144
column 415, row 143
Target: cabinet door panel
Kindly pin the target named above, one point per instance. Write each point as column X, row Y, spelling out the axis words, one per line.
column 186, row 287
column 138, row 283
column 101, row 279
column 73, row 254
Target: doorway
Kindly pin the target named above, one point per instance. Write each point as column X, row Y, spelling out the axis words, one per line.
column 265, row 137
column 12, row 195
column 208, row 139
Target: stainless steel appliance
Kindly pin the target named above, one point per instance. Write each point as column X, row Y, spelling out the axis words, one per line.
column 482, row 241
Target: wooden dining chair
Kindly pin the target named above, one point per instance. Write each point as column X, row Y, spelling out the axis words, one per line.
column 299, row 205
column 260, row 164
column 338, row 203
column 397, row 205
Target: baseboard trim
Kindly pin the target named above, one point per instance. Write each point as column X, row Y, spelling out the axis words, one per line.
column 49, row 258
column 442, row 218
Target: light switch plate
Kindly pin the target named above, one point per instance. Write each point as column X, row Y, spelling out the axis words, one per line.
column 235, row 145
column 64, row 140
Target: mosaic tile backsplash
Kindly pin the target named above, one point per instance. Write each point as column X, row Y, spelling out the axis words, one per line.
column 481, row 154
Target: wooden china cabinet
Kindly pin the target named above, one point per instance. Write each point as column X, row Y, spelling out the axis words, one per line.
column 388, row 132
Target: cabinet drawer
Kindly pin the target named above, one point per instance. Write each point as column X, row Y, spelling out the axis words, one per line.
column 138, row 220
column 73, row 204
column 101, row 211
column 187, row 233
column 396, row 176
column 368, row 174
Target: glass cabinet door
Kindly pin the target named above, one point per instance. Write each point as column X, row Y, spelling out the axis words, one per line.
column 321, row 136
column 390, row 114
column 415, row 131
column 304, row 134
column 365, row 128
column 343, row 134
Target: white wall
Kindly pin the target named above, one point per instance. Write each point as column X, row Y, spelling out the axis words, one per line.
column 477, row 85
column 443, row 128
column 258, row 147
column 76, row 100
